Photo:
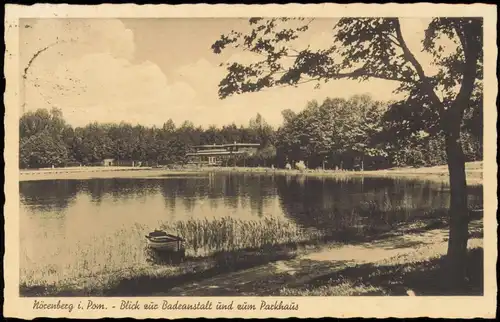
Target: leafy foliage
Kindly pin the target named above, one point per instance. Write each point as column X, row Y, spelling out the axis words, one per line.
column 364, row 48
column 42, row 150
column 336, row 127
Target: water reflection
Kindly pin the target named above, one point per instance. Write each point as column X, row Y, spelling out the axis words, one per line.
column 336, row 204
column 311, row 202
column 51, row 195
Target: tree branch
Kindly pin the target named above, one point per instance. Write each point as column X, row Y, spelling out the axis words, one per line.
column 362, row 72
column 461, row 36
column 471, row 54
column 310, row 20
column 393, row 40
column 420, row 71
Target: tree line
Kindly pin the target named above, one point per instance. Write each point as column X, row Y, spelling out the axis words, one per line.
column 379, row 134
column 46, row 140
column 338, row 133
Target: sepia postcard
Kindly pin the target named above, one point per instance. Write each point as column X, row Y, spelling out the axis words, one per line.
column 257, row 161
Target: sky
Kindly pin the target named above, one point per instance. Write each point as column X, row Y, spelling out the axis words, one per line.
column 148, row 70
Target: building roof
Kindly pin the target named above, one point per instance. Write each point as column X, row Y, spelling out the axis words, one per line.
column 212, row 153
column 213, row 146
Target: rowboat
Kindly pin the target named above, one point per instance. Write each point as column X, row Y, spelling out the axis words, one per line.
column 160, row 240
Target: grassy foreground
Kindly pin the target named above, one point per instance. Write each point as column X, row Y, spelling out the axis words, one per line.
column 407, row 258
column 409, row 261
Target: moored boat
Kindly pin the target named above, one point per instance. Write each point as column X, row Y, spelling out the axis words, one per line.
column 160, row 240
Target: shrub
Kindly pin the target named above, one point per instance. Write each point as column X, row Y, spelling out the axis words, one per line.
column 300, row 165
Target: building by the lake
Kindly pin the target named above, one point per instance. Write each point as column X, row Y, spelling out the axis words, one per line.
column 108, row 162
column 216, row 155
column 119, row 163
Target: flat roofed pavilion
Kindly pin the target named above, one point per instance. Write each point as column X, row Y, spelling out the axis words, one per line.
column 215, row 154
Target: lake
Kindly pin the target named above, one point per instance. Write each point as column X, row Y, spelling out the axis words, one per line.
column 77, row 228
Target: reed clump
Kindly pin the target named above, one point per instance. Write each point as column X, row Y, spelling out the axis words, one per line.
column 125, row 249
column 205, row 236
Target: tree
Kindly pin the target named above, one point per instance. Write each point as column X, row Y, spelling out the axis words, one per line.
column 92, row 143
column 169, row 126
column 231, row 133
column 42, row 150
column 32, row 123
column 212, row 135
column 263, row 132
column 44, row 137
column 365, row 123
column 171, row 151
column 337, row 127
column 364, row 48
column 266, row 156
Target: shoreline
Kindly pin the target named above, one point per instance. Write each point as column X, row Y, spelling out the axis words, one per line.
column 286, row 270
column 474, row 173
column 101, row 173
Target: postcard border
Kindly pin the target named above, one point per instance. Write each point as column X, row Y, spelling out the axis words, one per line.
column 464, row 307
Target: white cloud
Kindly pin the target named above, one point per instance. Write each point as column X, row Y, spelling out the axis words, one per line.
column 66, row 42
column 100, row 87
column 92, row 78
column 75, row 38
column 204, row 77
column 207, row 109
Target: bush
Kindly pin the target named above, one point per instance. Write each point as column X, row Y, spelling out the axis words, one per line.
column 300, row 165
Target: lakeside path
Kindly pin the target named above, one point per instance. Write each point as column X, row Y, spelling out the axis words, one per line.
column 474, row 171
column 380, row 267
column 82, row 173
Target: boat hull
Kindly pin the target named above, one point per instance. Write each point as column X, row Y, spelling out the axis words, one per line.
column 160, row 240
column 164, row 245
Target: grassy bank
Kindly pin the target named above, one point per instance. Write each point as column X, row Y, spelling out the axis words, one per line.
column 422, row 274
column 474, row 172
column 283, row 263
column 411, row 261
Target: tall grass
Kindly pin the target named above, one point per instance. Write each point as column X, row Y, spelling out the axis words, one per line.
column 77, row 259
column 125, row 249
column 206, row 236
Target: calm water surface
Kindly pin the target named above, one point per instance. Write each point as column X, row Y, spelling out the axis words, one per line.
column 69, row 226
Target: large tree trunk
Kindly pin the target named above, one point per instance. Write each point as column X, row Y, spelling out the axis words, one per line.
column 458, row 212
